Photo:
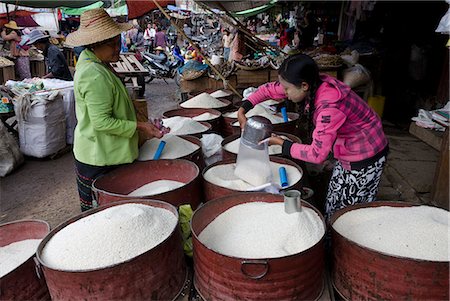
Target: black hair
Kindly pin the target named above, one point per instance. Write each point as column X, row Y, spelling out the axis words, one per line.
column 298, row 69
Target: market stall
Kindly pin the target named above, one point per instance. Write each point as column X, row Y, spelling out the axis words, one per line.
column 257, row 233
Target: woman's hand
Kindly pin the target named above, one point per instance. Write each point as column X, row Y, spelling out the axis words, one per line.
column 149, row 130
column 274, row 140
column 241, row 118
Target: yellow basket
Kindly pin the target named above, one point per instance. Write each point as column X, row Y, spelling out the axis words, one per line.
column 376, row 102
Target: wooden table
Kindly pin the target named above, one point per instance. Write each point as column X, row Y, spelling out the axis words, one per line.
column 129, row 66
column 440, row 142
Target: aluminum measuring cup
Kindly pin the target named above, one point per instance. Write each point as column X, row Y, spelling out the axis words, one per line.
column 292, row 201
column 256, row 129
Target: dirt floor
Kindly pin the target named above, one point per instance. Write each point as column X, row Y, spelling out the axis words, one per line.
column 46, row 189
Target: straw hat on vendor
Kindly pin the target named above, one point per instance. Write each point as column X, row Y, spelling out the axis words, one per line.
column 106, row 135
column 12, row 25
column 96, row 26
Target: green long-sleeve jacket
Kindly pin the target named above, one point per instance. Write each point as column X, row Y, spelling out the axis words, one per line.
column 106, row 130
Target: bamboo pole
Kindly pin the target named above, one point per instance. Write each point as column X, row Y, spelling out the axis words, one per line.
column 242, row 28
column 198, row 50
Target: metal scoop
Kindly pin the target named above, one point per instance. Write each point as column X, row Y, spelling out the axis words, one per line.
column 292, row 201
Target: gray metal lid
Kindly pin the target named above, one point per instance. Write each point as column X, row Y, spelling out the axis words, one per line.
column 256, row 129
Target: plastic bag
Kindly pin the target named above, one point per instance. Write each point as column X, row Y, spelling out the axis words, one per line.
column 185, row 214
column 212, row 148
column 247, row 92
column 10, row 155
column 356, row 76
column 351, row 59
column 253, row 165
column 444, row 24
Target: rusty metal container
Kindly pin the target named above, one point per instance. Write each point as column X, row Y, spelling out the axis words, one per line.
column 219, row 277
column 23, row 283
column 196, row 156
column 285, row 127
column 215, row 123
column 116, row 185
column 227, row 126
column 213, row 191
column 229, row 155
column 158, row 274
column 361, row 273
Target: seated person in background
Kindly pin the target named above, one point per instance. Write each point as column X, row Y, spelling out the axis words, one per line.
column 160, row 55
column 57, row 65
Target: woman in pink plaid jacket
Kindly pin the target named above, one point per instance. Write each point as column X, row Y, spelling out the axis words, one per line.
column 343, row 124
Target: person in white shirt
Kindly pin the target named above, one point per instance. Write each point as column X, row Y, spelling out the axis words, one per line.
column 149, row 37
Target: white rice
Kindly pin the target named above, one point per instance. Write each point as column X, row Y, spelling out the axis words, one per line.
column 203, row 101
column 259, row 110
column 233, row 147
column 156, row 187
column 205, row 117
column 262, row 230
column 15, row 254
column 221, row 93
column 180, row 125
column 223, row 175
column 108, row 237
column 419, row 232
column 175, row 148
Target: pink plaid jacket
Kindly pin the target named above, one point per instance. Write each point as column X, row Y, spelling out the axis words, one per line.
column 343, row 122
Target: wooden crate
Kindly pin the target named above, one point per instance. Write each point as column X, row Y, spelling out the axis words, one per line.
column 273, row 75
column 128, row 64
column 37, row 68
column 205, row 83
column 254, row 78
column 7, row 73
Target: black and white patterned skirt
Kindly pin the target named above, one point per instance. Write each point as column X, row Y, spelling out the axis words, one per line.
column 349, row 187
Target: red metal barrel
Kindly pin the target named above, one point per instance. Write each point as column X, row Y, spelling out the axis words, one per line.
column 116, row 185
column 215, row 122
column 227, row 126
column 213, row 191
column 285, row 127
column 23, row 282
column 196, row 156
column 158, row 274
column 230, row 155
column 361, row 273
column 219, row 277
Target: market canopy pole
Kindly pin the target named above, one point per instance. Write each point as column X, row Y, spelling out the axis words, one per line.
column 242, row 28
column 197, row 49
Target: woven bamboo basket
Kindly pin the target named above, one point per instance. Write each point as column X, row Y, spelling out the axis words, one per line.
column 247, row 68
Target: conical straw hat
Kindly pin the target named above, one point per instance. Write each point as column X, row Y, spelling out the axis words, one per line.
column 95, row 26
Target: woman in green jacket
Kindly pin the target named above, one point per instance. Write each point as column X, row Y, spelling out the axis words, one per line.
column 106, row 135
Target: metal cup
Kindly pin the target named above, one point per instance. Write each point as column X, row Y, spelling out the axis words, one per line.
column 292, row 201
column 256, row 129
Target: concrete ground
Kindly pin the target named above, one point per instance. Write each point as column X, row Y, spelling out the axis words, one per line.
column 46, row 189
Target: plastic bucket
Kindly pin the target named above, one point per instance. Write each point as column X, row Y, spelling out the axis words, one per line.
column 376, row 102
